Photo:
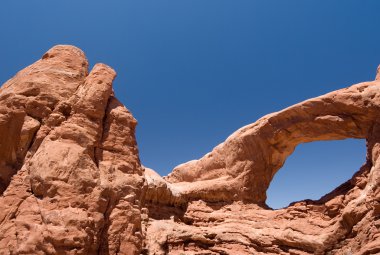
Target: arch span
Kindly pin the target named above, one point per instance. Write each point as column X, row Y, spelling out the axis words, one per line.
column 243, row 166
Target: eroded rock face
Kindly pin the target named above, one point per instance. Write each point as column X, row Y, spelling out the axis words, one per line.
column 70, row 147
column 71, row 181
column 223, row 194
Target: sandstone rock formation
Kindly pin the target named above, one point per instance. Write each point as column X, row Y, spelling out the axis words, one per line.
column 71, row 181
column 69, row 161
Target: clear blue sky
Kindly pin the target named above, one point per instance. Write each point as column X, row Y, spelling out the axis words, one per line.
column 194, row 71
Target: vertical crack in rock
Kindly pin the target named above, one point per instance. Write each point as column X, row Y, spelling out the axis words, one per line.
column 97, row 149
column 97, row 156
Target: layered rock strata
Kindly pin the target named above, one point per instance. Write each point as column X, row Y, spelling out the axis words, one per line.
column 71, row 181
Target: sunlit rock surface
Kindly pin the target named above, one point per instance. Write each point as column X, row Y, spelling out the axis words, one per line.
column 71, row 181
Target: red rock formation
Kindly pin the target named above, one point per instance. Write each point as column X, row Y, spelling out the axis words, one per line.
column 70, row 147
column 71, row 181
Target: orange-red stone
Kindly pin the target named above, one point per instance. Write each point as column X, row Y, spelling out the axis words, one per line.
column 71, row 181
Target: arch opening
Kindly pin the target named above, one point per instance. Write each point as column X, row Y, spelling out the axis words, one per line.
column 315, row 169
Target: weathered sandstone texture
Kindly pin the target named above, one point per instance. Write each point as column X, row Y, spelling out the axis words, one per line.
column 71, row 181
column 70, row 170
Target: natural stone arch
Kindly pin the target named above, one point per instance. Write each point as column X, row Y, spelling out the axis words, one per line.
column 243, row 166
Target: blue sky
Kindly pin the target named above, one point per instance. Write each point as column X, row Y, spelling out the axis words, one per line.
column 192, row 72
